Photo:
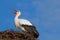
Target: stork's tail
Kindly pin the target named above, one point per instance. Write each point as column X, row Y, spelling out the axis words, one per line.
column 35, row 34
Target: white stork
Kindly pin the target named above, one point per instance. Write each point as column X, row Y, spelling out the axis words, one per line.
column 25, row 25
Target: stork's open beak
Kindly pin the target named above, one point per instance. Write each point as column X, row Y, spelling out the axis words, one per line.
column 15, row 11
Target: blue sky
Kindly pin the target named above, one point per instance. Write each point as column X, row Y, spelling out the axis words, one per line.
column 44, row 14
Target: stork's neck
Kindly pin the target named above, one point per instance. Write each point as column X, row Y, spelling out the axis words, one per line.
column 16, row 17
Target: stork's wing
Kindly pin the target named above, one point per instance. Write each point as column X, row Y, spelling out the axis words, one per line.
column 25, row 22
column 31, row 29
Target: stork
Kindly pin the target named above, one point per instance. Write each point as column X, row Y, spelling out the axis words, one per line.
column 25, row 25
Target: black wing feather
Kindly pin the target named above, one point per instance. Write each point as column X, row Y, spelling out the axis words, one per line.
column 31, row 29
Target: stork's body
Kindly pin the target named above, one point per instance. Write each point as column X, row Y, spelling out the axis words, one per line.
column 25, row 25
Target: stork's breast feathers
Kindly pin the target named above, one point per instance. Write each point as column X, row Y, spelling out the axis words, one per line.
column 17, row 23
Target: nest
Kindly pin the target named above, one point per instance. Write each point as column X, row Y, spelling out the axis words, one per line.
column 15, row 35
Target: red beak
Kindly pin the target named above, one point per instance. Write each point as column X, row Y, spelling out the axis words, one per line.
column 15, row 11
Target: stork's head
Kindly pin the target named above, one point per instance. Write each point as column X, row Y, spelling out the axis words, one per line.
column 17, row 12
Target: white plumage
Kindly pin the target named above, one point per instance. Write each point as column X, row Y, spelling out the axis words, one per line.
column 19, row 22
column 25, row 22
column 25, row 25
